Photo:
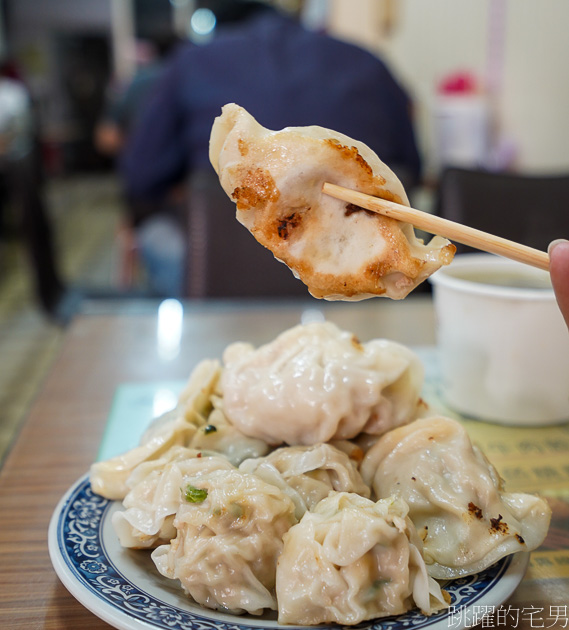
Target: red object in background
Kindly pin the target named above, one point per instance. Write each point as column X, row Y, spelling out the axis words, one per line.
column 10, row 70
column 458, row 83
column 52, row 158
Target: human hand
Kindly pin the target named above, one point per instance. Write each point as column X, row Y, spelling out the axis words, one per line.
column 559, row 268
column 109, row 138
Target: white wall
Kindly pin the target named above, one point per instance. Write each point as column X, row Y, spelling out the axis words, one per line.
column 527, row 58
column 535, row 100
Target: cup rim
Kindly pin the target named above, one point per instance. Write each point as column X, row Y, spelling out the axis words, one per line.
column 446, row 278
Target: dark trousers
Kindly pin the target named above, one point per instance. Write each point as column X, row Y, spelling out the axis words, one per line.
column 24, row 185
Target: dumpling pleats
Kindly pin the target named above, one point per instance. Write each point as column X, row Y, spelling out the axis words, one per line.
column 351, row 559
column 455, row 496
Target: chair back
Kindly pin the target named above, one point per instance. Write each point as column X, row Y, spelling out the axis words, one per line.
column 532, row 210
column 224, row 259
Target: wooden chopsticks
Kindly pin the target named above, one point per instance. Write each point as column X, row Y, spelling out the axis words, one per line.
column 437, row 225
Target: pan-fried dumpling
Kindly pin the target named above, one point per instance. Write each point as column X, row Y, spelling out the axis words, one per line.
column 154, row 498
column 351, row 559
column 315, row 383
column 455, row 497
column 228, row 541
column 339, row 251
column 308, row 473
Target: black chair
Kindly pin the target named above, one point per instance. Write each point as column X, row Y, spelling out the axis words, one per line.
column 532, row 210
column 224, row 259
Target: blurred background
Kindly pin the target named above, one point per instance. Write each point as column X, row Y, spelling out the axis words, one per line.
column 488, row 93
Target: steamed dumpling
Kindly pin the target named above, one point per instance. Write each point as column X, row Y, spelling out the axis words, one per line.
column 338, row 250
column 228, row 542
column 351, row 559
column 308, row 473
column 109, row 478
column 455, row 497
column 220, row 436
column 155, row 496
column 174, row 428
column 194, row 400
column 315, row 383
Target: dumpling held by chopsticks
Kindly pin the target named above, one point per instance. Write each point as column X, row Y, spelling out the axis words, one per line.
column 340, row 251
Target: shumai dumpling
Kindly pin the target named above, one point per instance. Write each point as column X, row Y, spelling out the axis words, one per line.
column 229, row 536
column 308, row 473
column 351, row 559
column 338, row 250
column 455, row 497
column 315, row 383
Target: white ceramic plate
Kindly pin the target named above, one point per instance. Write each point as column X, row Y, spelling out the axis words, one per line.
column 123, row 588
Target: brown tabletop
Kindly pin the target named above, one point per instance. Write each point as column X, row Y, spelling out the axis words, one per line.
column 65, row 426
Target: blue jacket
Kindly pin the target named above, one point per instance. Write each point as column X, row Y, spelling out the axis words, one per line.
column 284, row 75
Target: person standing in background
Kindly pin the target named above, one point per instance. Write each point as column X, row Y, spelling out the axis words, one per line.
column 147, row 220
column 21, row 172
column 284, row 75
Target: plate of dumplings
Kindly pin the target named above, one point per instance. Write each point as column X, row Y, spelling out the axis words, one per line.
column 300, row 483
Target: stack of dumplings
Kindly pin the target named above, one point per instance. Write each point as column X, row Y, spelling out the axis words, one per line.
column 248, row 494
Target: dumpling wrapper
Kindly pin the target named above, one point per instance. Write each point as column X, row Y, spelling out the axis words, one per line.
column 455, row 497
column 340, row 251
column 221, row 436
column 315, row 383
column 308, row 473
column 155, row 496
column 174, row 428
column 109, row 477
column 226, row 548
column 351, row 559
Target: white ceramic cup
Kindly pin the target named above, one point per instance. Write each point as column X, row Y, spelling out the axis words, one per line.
column 503, row 344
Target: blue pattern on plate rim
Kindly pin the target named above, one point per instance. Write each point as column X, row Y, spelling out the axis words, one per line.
column 79, row 536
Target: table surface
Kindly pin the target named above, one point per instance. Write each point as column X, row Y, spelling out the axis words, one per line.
column 106, row 347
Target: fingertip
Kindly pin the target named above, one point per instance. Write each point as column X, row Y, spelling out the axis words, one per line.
column 555, row 243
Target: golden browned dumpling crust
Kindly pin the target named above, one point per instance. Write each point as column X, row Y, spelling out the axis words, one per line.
column 340, row 251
